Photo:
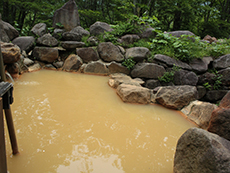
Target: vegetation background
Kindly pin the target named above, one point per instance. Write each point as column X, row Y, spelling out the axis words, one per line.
column 198, row 16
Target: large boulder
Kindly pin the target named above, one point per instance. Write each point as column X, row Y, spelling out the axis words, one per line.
column 171, row 62
column 95, row 67
column 25, row 43
column 72, row 63
column 201, row 152
column 80, row 31
column 10, row 52
column 176, row 97
column 47, row 40
column 7, row 31
column 152, row 83
column 117, row 79
column 115, row 67
column 184, row 77
column 206, row 78
column 71, row 36
column 199, row 65
column 199, row 112
column 147, row 70
column 180, row 33
column 134, row 94
column 147, row 32
column 220, row 119
column 87, row 54
column 222, row 62
column 67, row 15
column 109, row 52
column 130, row 38
column 45, row 54
column 225, row 76
column 72, row 44
column 138, row 54
column 39, row 29
column 214, row 95
column 99, row 28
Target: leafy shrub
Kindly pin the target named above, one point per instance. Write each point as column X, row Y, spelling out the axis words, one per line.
column 169, row 76
column 129, row 63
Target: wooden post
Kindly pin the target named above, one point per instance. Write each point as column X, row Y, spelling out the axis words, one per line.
column 8, row 115
column 11, row 131
column 3, row 165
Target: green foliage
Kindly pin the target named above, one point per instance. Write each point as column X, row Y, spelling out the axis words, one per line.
column 169, row 76
column 207, row 86
column 129, row 63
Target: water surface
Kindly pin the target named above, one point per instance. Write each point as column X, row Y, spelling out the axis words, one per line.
column 72, row 123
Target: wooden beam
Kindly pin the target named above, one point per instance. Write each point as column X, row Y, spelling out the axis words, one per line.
column 3, row 165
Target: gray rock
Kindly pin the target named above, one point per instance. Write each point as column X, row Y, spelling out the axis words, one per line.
column 151, row 84
column 58, row 64
column 137, row 53
column 171, row 62
column 80, row 31
column 176, row 97
column 183, row 77
column 71, row 36
column 199, row 112
column 201, row 152
column 201, row 91
column 45, row 54
column 8, row 32
column 47, row 40
column 96, row 67
column 93, row 41
column 72, row 63
column 87, row 54
column 207, row 60
column 198, row 65
column 130, row 38
column 147, row 32
column 49, row 67
column 147, row 70
column 28, row 62
column 206, row 78
column 10, row 53
column 225, row 76
column 117, row 68
column 13, row 68
column 134, row 94
column 67, row 15
column 72, row 44
column 99, row 28
column 25, row 43
column 58, row 33
column 108, row 52
column 180, row 33
column 222, row 62
column 117, row 79
column 34, row 67
column 39, row 29
column 215, row 95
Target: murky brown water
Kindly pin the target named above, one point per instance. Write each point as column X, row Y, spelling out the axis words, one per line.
column 72, row 123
